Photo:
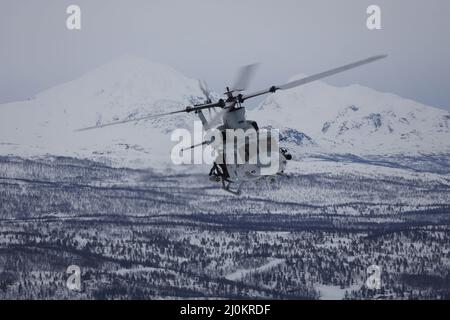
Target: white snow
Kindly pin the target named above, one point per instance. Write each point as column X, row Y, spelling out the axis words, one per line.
column 339, row 120
column 328, row 292
column 314, row 166
column 123, row 89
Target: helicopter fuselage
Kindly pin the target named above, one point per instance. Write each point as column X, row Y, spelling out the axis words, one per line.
column 251, row 169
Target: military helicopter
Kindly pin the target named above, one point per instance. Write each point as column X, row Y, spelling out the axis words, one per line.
column 232, row 114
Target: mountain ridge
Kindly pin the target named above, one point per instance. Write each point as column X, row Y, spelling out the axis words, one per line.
column 357, row 119
column 316, row 118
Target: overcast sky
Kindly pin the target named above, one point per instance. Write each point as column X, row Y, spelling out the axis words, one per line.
column 210, row 39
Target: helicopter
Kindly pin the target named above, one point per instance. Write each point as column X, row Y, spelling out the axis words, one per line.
column 232, row 115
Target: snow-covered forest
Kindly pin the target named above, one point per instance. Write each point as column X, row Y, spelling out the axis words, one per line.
column 136, row 234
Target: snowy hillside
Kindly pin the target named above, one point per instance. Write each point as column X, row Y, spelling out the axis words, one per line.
column 316, row 117
column 357, row 120
column 123, row 89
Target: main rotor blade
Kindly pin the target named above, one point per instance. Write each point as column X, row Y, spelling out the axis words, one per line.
column 220, row 103
column 331, row 72
column 315, row 77
column 244, row 76
column 205, row 90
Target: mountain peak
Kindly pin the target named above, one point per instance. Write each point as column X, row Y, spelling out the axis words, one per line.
column 125, row 88
column 130, row 76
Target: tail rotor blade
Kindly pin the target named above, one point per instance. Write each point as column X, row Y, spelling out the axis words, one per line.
column 205, row 90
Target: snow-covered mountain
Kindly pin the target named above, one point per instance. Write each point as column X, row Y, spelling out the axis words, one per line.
column 316, row 117
column 356, row 120
column 123, row 89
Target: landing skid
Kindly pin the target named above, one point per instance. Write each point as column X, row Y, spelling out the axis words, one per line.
column 217, row 174
column 227, row 186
